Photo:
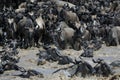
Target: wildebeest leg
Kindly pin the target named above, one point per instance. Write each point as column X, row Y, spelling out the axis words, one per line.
column 1, row 69
column 76, row 46
column 62, row 45
column 31, row 42
column 22, row 41
column 117, row 41
column 25, row 44
column 71, row 43
column 98, row 70
column 27, row 39
column 37, row 41
column 55, row 41
column 20, row 38
column 76, row 43
column 36, row 38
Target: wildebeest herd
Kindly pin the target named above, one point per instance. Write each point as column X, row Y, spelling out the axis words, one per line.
column 75, row 24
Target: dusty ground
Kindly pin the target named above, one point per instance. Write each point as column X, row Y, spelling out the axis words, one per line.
column 29, row 61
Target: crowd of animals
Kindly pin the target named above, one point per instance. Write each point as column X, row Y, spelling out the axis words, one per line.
column 75, row 24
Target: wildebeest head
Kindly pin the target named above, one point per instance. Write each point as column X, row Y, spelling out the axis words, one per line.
column 10, row 23
column 80, row 31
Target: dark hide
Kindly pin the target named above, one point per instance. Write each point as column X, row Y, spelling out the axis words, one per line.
column 26, row 25
column 54, row 55
column 102, row 68
column 29, row 73
column 80, row 68
column 87, row 52
column 114, row 36
column 66, row 37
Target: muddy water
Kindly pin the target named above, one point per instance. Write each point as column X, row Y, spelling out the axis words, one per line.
column 28, row 60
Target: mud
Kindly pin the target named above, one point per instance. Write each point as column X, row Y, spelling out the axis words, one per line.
column 28, row 60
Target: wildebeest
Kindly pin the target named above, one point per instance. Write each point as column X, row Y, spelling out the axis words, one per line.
column 115, row 63
column 70, row 18
column 88, row 52
column 9, row 58
column 66, row 37
column 81, row 35
column 79, row 68
column 1, row 35
column 53, row 54
column 25, row 25
column 29, row 73
column 102, row 68
column 39, row 30
column 8, row 23
column 114, row 36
